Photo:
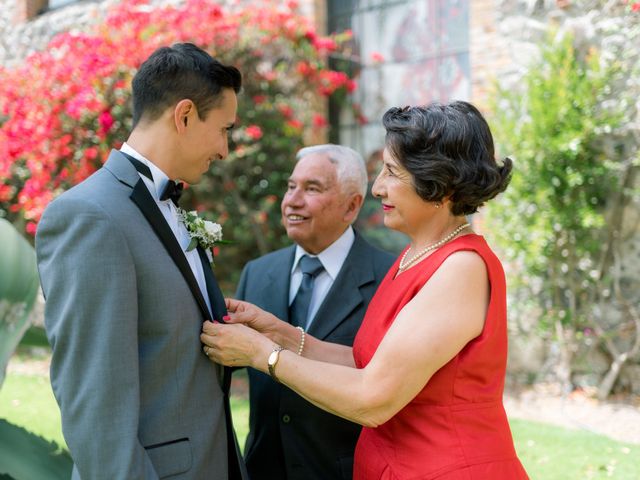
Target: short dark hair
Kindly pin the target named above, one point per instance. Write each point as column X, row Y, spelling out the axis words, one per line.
column 448, row 150
column 181, row 71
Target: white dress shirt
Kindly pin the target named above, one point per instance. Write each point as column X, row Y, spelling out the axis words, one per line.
column 170, row 214
column 332, row 259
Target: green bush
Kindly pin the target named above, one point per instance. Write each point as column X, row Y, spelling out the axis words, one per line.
column 557, row 124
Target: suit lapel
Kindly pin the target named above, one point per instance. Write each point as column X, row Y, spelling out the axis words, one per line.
column 275, row 294
column 344, row 295
column 218, row 307
column 219, row 310
column 143, row 199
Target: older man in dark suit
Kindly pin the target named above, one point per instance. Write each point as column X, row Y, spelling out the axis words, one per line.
column 322, row 284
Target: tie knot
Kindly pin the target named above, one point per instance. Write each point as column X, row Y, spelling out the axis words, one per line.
column 310, row 265
column 172, row 191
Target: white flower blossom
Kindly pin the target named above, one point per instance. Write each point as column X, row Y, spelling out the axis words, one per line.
column 213, row 229
column 202, row 232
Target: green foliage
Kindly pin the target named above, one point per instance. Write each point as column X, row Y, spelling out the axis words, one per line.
column 18, row 289
column 25, row 456
column 551, row 217
column 554, row 453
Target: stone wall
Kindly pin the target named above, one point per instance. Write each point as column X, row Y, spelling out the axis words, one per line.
column 20, row 37
column 23, row 31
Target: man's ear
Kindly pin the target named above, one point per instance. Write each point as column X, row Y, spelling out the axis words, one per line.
column 354, row 203
column 183, row 113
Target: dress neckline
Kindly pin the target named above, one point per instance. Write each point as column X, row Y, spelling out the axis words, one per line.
column 396, row 266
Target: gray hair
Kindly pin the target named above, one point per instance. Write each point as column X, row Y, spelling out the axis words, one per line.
column 350, row 166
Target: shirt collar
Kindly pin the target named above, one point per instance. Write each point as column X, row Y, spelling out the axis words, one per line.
column 160, row 179
column 331, row 257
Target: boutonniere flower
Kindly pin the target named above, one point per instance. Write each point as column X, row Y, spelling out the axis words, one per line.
column 202, row 232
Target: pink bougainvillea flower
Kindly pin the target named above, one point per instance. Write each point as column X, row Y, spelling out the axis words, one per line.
column 254, row 132
column 295, row 124
column 377, row 57
column 319, row 120
column 106, row 121
column 64, row 108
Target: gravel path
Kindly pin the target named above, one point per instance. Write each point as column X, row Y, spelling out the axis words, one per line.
column 615, row 418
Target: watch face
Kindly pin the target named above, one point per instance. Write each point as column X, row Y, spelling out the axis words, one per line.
column 271, row 363
column 273, row 358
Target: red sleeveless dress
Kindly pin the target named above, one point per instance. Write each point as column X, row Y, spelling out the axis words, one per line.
column 456, row 427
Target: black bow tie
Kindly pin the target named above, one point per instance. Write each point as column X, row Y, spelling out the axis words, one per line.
column 172, row 191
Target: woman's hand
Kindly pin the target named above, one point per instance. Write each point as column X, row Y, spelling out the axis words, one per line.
column 252, row 316
column 235, row 345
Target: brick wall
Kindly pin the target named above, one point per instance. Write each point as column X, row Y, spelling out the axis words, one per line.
column 27, row 9
column 488, row 49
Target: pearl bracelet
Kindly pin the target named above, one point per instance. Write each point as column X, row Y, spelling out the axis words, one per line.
column 302, row 335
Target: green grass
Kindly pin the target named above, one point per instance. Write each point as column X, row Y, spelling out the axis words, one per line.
column 27, row 401
column 547, row 452
column 240, row 414
column 553, row 453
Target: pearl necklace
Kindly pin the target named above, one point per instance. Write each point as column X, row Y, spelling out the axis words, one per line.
column 403, row 266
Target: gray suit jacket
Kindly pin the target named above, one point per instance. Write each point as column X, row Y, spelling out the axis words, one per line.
column 289, row 437
column 138, row 397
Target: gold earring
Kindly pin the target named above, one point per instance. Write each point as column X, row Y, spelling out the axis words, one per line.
column 438, row 204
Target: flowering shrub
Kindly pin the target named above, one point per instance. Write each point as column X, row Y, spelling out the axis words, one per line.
column 64, row 108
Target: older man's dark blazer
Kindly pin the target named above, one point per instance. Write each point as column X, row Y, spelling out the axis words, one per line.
column 289, row 437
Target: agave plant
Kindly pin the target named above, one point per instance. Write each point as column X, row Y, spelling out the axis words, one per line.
column 26, row 456
column 23, row 455
column 18, row 289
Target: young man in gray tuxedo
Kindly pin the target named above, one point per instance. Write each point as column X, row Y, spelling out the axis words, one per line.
column 290, row 438
column 125, row 301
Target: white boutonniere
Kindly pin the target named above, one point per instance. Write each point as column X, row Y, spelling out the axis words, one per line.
column 202, row 232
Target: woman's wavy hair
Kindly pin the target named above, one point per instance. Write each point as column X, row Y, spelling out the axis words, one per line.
column 448, row 150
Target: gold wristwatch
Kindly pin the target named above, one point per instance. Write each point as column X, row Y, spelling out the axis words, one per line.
column 273, row 361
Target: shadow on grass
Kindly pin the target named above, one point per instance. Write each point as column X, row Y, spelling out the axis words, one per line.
column 34, row 337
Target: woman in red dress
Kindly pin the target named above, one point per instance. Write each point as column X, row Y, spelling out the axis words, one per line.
column 425, row 376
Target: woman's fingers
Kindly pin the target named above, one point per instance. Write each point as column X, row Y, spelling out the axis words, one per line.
column 235, row 318
column 233, row 305
column 228, row 344
column 209, row 327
